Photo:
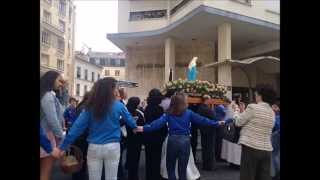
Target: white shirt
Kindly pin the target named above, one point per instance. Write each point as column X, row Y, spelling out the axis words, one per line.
column 165, row 103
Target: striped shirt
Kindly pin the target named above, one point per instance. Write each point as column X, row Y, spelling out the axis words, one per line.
column 257, row 122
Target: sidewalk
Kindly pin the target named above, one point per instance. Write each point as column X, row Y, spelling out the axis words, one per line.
column 223, row 171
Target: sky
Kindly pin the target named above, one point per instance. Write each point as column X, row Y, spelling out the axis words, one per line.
column 94, row 19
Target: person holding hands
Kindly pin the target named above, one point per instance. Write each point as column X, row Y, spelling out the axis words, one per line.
column 178, row 118
column 102, row 118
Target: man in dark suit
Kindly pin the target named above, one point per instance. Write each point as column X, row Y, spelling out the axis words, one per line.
column 208, row 134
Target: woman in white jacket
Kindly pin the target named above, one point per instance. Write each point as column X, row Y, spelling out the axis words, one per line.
column 256, row 122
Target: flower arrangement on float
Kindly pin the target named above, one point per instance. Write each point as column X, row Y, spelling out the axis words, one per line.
column 197, row 88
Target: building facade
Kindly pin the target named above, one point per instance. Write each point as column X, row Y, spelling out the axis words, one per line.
column 86, row 74
column 161, row 35
column 114, row 64
column 57, row 37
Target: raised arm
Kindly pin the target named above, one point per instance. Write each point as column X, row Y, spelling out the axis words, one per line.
column 79, row 126
column 156, row 124
column 49, row 109
column 196, row 118
column 242, row 118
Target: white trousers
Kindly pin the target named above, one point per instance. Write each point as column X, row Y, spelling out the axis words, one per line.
column 109, row 154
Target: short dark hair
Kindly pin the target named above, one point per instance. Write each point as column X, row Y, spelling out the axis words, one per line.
column 227, row 100
column 72, row 99
column 177, row 104
column 155, row 97
column 267, row 93
column 133, row 104
column 169, row 93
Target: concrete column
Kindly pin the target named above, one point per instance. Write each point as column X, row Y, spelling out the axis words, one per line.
column 224, row 53
column 169, row 58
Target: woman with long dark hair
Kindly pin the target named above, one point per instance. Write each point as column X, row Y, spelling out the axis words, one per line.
column 154, row 140
column 51, row 118
column 102, row 118
column 134, row 141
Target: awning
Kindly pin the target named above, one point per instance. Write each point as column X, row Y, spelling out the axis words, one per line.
column 268, row 64
column 129, row 84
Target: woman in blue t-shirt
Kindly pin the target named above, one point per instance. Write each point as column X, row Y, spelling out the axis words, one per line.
column 178, row 118
column 102, row 118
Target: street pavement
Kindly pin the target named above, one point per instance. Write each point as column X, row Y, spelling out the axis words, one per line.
column 222, row 172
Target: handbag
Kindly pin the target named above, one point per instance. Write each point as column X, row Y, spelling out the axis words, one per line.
column 231, row 132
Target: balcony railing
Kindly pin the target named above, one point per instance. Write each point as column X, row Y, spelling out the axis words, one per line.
column 142, row 15
column 179, row 6
column 56, row 30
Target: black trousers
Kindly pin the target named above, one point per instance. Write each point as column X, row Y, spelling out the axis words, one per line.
column 218, row 143
column 194, row 140
column 255, row 164
column 133, row 157
column 123, row 145
column 82, row 143
column 153, row 160
column 207, row 145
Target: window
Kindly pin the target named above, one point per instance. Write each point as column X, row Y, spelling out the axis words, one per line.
column 61, row 45
column 92, row 60
column 46, row 17
column 85, row 89
column 112, row 62
column 86, row 74
column 70, row 14
column 107, row 72
column 92, row 76
column 98, row 76
column 122, row 62
column 45, row 37
column 62, row 25
column 78, row 72
column 44, row 60
column 62, row 8
column 118, row 62
column 117, row 73
column 60, row 64
column 107, row 62
column 78, row 90
column 102, row 61
column 140, row 15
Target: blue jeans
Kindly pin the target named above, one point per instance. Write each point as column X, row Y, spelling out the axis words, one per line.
column 178, row 148
column 275, row 153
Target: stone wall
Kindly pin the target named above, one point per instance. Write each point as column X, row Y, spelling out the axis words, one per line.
column 146, row 66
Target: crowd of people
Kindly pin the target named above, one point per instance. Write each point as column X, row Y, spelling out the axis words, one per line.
column 105, row 123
